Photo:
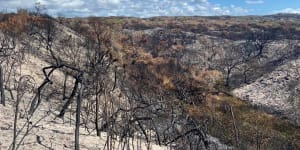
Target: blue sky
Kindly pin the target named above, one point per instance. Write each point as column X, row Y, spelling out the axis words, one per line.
column 149, row 8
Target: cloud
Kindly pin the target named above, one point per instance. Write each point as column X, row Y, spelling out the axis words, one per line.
column 136, row 8
column 254, row 2
column 289, row 10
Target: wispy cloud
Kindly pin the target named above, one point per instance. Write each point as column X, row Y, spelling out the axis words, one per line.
column 254, row 1
column 289, row 10
column 137, row 8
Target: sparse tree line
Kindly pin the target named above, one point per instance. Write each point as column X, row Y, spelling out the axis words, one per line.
column 256, row 50
column 258, row 53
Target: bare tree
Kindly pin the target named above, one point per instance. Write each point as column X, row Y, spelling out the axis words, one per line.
column 257, row 43
column 2, row 87
column 78, row 111
column 44, row 31
column 7, row 50
column 25, row 85
column 232, row 59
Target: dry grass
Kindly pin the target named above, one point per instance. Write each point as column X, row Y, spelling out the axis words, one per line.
column 253, row 125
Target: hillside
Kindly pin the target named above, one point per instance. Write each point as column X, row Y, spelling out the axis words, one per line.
column 162, row 83
column 277, row 90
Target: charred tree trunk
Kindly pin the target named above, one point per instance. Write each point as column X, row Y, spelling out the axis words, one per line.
column 78, row 110
column 97, row 113
column 245, row 77
column 2, row 87
column 227, row 77
column 69, row 101
column 15, row 120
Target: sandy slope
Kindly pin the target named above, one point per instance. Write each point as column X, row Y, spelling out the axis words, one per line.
column 53, row 133
column 278, row 90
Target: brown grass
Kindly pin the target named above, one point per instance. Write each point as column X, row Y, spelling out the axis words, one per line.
column 252, row 124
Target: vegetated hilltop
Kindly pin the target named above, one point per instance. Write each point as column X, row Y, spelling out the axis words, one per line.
column 157, row 82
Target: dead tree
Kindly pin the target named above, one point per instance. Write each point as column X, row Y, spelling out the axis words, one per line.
column 258, row 42
column 7, row 49
column 25, row 85
column 78, row 111
column 148, row 113
column 98, row 65
column 212, row 51
column 2, row 87
column 248, row 64
column 45, row 32
column 253, row 50
column 231, row 61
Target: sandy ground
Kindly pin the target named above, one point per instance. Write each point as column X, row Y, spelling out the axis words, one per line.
column 53, row 133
